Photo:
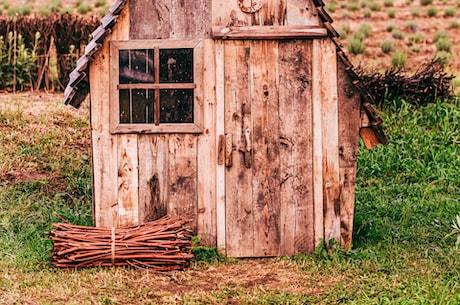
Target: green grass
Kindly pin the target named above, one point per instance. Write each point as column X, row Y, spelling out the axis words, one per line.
column 407, row 197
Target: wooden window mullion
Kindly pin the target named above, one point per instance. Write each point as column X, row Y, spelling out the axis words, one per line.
column 156, row 65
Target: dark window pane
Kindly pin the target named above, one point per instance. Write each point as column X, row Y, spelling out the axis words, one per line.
column 176, row 106
column 176, row 66
column 136, row 66
column 136, row 106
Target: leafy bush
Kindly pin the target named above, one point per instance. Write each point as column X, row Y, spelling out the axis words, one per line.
column 454, row 24
column 440, row 34
column 443, row 44
column 374, row 6
column 354, row 6
column 432, row 11
column 426, row 2
column 364, row 31
column 391, row 13
column 390, row 27
column 399, row 59
column 331, row 7
column 415, row 38
column 443, row 56
column 23, row 10
column 100, row 3
column 415, row 48
column 387, row 46
column 450, row 12
column 367, row 13
column 397, row 34
column 415, row 11
column 355, row 45
column 388, row 3
column 84, row 8
column 411, row 26
column 24, row 70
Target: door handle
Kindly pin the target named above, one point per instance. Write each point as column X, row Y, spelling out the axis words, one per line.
column 248, row 152
column 228, row 150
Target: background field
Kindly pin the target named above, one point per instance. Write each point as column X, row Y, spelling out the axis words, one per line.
column 407, row 199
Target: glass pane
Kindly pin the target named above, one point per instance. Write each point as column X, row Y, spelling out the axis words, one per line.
column 136, row 66
column 176, row 106
column 136, row 106
column 176, row 66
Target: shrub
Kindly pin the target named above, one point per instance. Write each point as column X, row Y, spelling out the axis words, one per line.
column 388, row 3
column 100, row 3
column 443, row 56
column 374, row 6
column 415, row 48
column 367, row 13
column 84, row 8
column 426, row 2
column 387, row 46
column 364, row 31
column 399, row 59
column 440, row 34
column 23, row 10
column 103, row 10
column 355, row 45
column 415, row 11
column 411, row 25
column 432, row 11
column 444, row 44
column 354, row 6
column 415, row 38
column 390, row 27
column 397, row 34
column 344, row 30
column 66, row 10
column 391, row 13
column 6, row 4
column 331, row 7
column 450, row 12
column 454, row 24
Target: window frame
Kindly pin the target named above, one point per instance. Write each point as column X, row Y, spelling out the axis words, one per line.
column 116, row 126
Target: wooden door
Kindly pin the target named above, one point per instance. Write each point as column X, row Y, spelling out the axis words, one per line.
column 268, row 130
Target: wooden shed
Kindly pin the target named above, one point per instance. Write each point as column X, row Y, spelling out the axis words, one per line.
column 243, row 114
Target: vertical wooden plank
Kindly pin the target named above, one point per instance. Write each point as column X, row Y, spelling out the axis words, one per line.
column 238, row 179
column 330, row 135
column 150, row 19
column 228, row 13
column 349, row 122
column 183, row 176
column 207, row 152
column 153, row 176
column 105, row 188
column 317, row 142
column 266, row 181
column 301, row 12
column 128, row 184
column 272, row 13
column 190, row 19
column 295, row 98
column 220, row 170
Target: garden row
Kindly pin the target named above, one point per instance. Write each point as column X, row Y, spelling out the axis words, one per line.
column 40, row 52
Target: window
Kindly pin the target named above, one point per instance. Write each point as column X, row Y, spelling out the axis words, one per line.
column 155, row 86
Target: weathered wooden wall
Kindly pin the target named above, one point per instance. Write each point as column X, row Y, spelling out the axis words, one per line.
column 273, row 171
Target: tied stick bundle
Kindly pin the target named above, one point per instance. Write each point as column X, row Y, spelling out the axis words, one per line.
column 161, row 245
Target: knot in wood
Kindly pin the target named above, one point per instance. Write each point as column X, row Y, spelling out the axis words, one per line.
column 250, row 6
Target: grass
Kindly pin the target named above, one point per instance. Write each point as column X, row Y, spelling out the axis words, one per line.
column 406, row 202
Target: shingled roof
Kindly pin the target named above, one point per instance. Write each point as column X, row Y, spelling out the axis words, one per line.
column 78, row 87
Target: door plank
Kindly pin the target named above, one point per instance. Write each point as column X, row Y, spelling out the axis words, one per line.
column 265, row 139
column 153, row 176
column 183, row 176
column 128, row 185
column 239, row 210
column 207, row 154
column 220, row 130
column 297, row 234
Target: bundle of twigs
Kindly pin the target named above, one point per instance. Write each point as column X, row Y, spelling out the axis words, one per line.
column 161, row 245
column 428, row 84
